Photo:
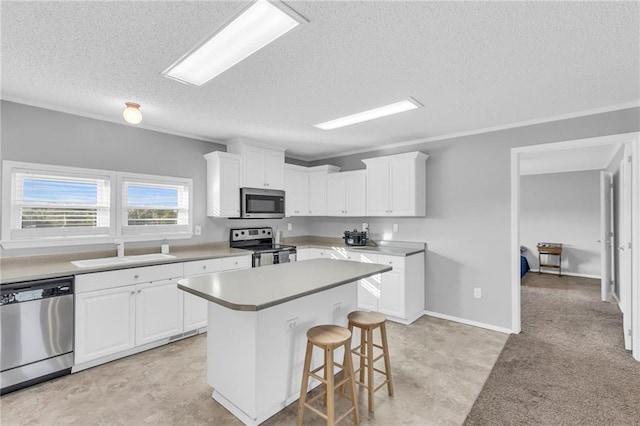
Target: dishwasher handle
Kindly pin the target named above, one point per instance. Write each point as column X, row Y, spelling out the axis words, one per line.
column 35, row 290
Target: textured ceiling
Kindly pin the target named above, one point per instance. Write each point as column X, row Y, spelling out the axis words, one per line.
column 473, row 65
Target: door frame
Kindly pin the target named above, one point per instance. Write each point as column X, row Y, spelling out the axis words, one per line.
column 633, row 139
column 606, row 234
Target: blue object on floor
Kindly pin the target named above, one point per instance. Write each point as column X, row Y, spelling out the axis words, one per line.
column 524, row 266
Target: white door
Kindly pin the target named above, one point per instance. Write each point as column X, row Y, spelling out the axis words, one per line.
column 624, row 250
column 402, row 188
column 105, row 323
column 274, row 169
column 392, row 294
column 369, row 293
column 253, row 167
column 356, row 195
column 195, row 312
column 378, row 189
column 290, row 190
column 335, row 195
column 606, row 234
column 317, row 193
column 158, row 311
column 229, row 187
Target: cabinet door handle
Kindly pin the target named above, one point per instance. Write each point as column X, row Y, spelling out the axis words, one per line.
column 204, row 266
column 136, row 276
column 139, row 291
column 133, row 292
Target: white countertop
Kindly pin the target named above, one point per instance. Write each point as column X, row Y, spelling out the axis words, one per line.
column 260, row 288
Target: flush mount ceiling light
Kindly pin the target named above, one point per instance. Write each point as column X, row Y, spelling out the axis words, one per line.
column 132, row 113
column 383, row 111
column 254, row 28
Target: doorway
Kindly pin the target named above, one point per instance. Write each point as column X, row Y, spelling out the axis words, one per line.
column 583, row 154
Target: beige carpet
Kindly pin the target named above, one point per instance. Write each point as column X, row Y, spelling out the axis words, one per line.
column 568, row 366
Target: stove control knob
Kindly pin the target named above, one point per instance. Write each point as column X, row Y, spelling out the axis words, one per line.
column 235, row 235
column 242, row 232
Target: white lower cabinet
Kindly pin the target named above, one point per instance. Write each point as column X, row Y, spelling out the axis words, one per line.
column 117, row 311
column 399, row 293
column 104, row 323
column 195, row 308
column 309, row 253
column 158, row 311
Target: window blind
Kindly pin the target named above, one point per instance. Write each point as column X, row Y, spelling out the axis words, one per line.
column 155, row 207
column 58, row 204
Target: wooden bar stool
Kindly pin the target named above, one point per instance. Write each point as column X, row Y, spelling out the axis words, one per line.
column 367, row 322
column 328, row 338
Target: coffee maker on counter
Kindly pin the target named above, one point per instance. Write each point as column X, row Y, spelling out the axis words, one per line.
column 355, row 238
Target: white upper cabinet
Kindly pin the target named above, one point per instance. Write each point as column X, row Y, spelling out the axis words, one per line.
column 296, row 188
column 396, row 185
column 223, row 184
column 262, row 166
column 347, row 193
column 318, row 190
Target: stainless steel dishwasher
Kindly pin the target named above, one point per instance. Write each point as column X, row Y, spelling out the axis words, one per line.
column 37, row 332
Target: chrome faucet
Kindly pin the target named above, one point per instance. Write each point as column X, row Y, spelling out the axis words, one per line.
column 119, row 247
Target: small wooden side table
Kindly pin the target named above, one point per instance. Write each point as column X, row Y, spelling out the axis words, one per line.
column 550, row 249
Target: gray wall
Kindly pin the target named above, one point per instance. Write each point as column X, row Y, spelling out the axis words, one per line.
column 39, row 135
column 467, row 225
column 564, row 208
column 468, row 192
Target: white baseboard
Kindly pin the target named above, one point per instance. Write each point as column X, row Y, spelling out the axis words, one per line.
column 469, row 322
column 615, row 297
column 571, row 274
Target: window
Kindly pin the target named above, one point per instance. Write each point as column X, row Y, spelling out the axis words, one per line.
column 45, row 205
column 50, row 202
column 155, row 205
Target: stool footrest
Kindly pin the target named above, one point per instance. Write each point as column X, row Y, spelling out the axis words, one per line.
column 381, row 385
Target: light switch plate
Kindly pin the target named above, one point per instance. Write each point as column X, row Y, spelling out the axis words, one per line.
column 198, row 230
column 477, row 293
column 395, row 227
column 289, row 227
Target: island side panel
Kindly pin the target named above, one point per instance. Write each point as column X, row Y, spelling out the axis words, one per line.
column 282, row 343
column 231, row 359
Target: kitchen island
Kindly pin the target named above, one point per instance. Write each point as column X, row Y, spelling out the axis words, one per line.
column 258, row 319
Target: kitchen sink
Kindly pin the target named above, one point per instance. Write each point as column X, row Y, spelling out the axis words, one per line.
column 111, row 261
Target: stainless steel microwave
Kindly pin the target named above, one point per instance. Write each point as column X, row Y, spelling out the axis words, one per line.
column 257, row 203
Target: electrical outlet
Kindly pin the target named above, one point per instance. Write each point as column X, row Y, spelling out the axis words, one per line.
column 289, row 226
column 291, row 323
column 365, row 226
column 477, row 292
column 198, row 230
column 337, row 307
column 395, row 227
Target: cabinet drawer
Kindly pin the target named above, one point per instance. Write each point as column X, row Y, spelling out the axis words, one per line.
column 202, row 267
column 122, row 277
column 396, row 261
column 238, row 262
column 363, row 257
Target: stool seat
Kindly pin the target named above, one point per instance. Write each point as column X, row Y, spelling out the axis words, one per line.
column 362, row 319
column 328, row 336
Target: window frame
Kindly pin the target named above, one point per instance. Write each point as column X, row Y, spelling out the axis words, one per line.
column 140, row 232
column 117, row 208
column 52, row 236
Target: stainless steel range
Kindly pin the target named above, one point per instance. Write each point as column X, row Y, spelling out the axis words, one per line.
column 261, row 242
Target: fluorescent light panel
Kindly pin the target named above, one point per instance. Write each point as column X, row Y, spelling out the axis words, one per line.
column 395, row 108
column 257, row 26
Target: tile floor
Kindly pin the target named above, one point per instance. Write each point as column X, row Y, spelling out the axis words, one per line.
column 439, row 368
